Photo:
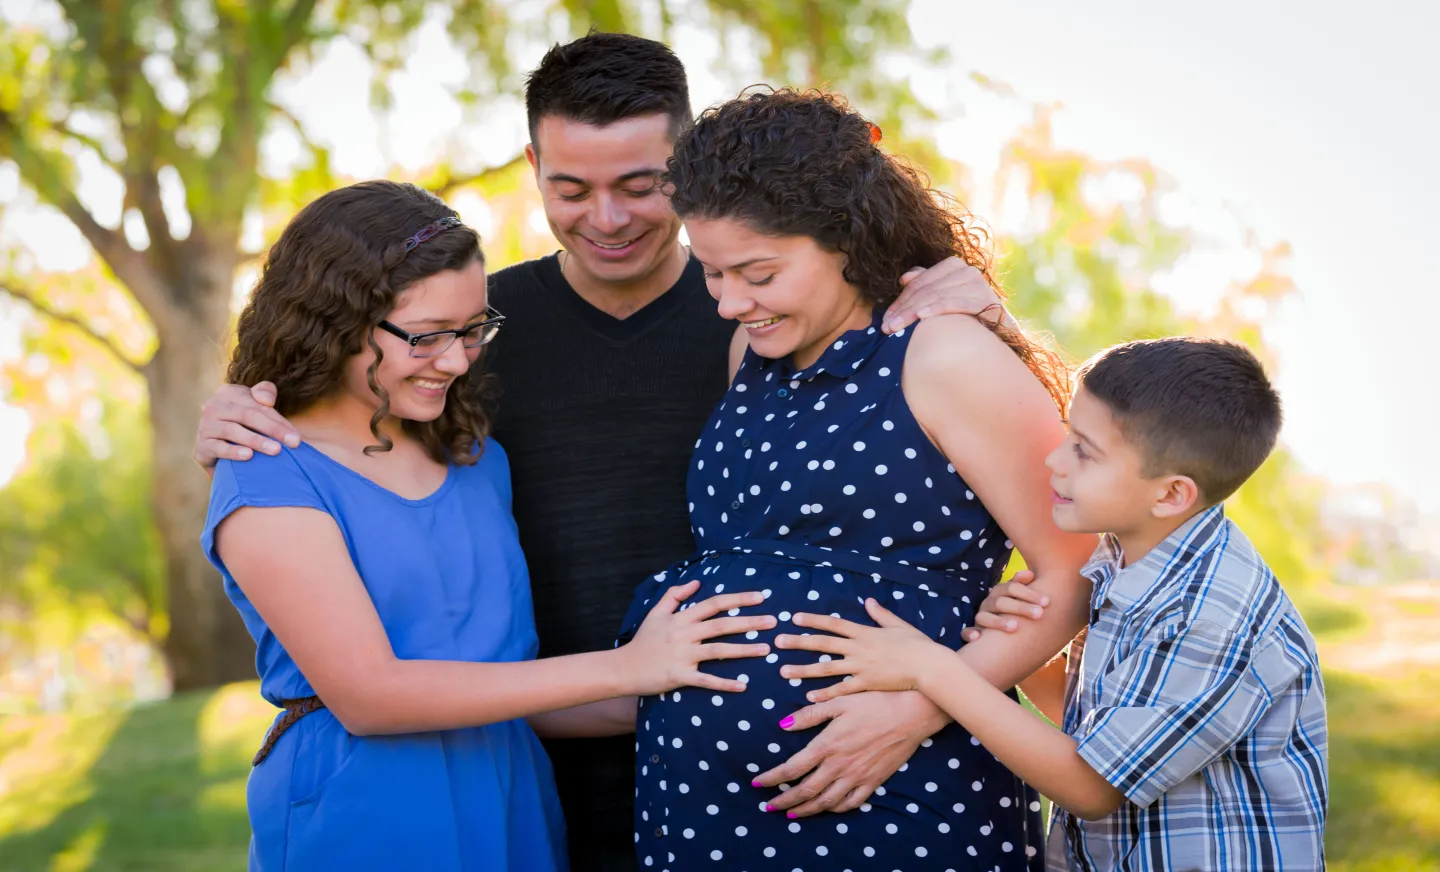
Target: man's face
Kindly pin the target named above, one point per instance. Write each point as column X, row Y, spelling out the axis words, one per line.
column 602, row 194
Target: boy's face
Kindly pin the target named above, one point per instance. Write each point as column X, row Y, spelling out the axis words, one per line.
column 1098, row 476
column 602, row 195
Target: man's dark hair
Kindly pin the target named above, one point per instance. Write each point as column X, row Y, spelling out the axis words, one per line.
column 1202, row 408
column 602, row 78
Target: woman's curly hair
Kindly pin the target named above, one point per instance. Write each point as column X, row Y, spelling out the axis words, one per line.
column 803, row 163
column 336, row 273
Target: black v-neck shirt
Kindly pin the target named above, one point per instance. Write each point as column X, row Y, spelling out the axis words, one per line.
column 599, row 416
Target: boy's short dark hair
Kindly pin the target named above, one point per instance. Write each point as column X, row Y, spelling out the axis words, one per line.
column 602, row 78
column 1202, row 408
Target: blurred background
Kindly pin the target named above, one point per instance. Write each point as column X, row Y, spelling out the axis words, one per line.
column 1262, row 171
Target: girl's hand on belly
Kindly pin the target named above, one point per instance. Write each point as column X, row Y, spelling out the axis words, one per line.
column 891, row 656
column 669, row 646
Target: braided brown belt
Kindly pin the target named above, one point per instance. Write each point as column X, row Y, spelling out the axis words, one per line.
column 295, row 709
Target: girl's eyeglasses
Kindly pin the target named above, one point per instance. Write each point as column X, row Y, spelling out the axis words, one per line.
column 437, row 342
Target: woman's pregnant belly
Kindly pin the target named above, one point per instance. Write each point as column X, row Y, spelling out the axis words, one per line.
column 740, row 732
column 699, row 750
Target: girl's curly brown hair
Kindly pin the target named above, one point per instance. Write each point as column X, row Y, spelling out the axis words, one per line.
column 803, row 163
column 334, row 274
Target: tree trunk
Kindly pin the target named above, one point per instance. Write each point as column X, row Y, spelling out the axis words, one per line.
column 207, row 643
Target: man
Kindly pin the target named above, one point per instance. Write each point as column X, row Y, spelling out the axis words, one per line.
column 611, row 360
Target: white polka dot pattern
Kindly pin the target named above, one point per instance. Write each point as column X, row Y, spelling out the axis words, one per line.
column 821, row 489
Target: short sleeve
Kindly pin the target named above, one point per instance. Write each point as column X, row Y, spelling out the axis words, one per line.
column 491, row 453
column 264, row 481
column 1176, row 703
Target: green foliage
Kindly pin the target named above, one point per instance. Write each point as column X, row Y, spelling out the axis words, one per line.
column 156, row 787
column 76, row 525
column 1086, row 269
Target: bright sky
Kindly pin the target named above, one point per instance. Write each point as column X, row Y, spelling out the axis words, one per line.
column 1314, row 123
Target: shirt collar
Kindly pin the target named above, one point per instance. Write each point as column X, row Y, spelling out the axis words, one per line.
column 1126, row 587
column 843, row 358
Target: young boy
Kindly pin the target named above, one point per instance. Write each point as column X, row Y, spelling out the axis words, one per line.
column 1194, row 718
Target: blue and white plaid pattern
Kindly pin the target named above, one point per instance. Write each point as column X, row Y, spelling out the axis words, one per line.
column 1196, row 693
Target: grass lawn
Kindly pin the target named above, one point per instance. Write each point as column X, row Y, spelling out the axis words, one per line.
column 162, row 787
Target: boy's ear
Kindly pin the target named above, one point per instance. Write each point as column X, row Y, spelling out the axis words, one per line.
column 533, row 158
column 1180, row 495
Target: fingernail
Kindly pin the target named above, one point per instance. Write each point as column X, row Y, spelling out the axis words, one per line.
column 1035, row 613
column 923, row 313
column 243, row 453
column 272, row 447
column 293, row 440
column 769, row 807
column 787, row 723
column 791, row 815
column 756, row 783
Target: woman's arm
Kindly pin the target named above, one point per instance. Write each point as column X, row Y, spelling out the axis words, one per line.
column 293, row 565
column 1045, row 688
column 610, row 717
column 739, row 344
column 993, row 419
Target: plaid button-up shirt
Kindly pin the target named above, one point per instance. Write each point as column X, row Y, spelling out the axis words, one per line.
column 1197, row 694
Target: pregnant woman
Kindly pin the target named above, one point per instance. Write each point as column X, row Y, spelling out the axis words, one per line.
column 843, row 464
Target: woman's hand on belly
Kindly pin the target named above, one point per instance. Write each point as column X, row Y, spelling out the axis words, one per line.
column 868, row 739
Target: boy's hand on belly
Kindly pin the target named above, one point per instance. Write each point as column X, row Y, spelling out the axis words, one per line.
column 869, row 737
column 891, row 656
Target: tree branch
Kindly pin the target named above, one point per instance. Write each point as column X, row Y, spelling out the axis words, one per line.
column 86, row 140
column 448, row 183
column 43, row 172
column 30, row 298
column 142, row 189
column 293, row 28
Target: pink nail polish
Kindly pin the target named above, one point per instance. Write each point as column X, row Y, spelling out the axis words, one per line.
column 755, row 783
column 769, row 807
column 787, row 723
column 791, row 815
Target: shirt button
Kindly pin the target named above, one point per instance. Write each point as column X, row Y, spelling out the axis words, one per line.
column 782, row 393
column 654, row 758
column 744, row 443
column 659, row 833
column 735, row 505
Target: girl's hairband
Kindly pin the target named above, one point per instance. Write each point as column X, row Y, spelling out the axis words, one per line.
column 430, row 231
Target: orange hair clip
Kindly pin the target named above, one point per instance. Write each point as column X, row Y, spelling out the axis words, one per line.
column 875, row 134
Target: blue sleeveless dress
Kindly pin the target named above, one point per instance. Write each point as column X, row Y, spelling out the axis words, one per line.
column 449, row 582
column 820, row 489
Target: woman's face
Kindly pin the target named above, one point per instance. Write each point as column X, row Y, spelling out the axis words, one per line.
column 788, row 293
column 417, row 387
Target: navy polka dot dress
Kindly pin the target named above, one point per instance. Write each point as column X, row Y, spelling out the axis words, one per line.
column 819, row 488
